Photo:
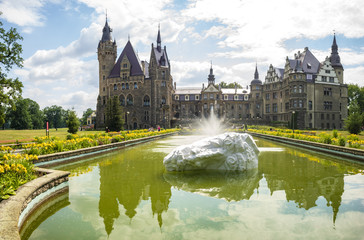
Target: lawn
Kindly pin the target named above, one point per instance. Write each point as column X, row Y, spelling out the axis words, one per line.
column 11, row 136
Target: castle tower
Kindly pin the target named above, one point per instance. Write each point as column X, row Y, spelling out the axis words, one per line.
column 161, row 85
column 211, row 77
column 106, row 54
column 335, row 61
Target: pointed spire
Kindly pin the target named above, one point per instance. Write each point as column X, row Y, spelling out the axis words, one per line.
column 211, row 77
column 334, row 57
column 106, row 32
column 159, row 42
column 256, row 74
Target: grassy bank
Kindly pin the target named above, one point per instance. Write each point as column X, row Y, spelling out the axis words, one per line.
column 12, row 136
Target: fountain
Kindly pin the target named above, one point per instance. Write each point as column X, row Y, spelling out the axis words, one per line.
column 227, row 151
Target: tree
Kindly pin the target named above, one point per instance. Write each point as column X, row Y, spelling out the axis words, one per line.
column 10, row 50
column 354, row 122
column 19, row 116
column 114, row 119
column 356, row 95
column 230, row 85
column 72, row 123
column 56, row 116
column 26, row 115
column 85, row 116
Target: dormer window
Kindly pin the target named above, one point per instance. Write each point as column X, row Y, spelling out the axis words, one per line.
column 225, row 97
column 176, row 97
column 308, row 65
column 187, row 97
column 236, row 97
column 125, row 65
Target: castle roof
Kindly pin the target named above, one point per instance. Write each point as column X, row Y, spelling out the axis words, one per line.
column 305, row 62
column 135, row 67
column 106, row 33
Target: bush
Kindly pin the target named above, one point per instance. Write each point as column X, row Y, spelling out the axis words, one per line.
column 325, row 138
column 335, row 133
column 354, row 123
column 342, row 141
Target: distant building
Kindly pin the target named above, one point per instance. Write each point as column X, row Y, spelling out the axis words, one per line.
column 310, row 93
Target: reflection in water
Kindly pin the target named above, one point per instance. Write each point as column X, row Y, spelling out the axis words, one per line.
column 131, row 177
column 228, row 185
column 303, row 178
column 128, row 179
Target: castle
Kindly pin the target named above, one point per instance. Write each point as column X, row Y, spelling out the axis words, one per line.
column 309, row 93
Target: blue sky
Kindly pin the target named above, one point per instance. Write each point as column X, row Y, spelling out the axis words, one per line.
column 61, row 37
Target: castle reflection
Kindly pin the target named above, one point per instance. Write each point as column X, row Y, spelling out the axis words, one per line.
column 136, row 175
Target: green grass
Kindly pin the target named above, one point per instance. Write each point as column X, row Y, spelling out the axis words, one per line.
column 11, row 136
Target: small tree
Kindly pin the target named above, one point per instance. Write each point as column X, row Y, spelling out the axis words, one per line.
column 355, row 120
column 72, row 123
column 114, row 119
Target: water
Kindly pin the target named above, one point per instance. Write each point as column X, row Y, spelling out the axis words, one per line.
column 126, row 194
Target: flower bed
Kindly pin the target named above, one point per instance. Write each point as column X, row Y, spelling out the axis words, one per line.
column 335, row 139
column 15, row 170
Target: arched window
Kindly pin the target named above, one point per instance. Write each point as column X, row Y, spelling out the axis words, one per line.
column 163, row 100
column 122, row 100
column 127, row 85
column 115, row 87
column 129, row 100
column 146, row 101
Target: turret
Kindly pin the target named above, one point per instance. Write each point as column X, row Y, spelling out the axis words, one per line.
column 335, row 61
column 211, row 77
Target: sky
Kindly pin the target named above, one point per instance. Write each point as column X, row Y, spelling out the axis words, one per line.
column 61, row 38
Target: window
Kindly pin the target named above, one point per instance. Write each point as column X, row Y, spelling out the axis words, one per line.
column 125, row 76
column 225, row 97
column 205, row 96
column 103, row 89
column 327, row 92
column 123, row 86
column 310, row 105
column 211, row 96
column 308, row 66
column 295, row 89
column 275, row 95
column 205, row 105
column 267, row 108
column 310, row 116
column 163, row 101
column 146, row 115
column 286, row 93
column 103, row 100
column 125, row 65
column 267, row 96
column 163, row 84
column 300, row 89
column 187, row 97
column 327, row 105
column 103, row 77
column 135, row 85
column 115, row 87
column 331, row 79
column 122, row 100
column 257, row 87
column 127, row 85
column 333, row 116
column 246, row 97
column 324, row 78
column 257, row 95
column 146, row 101
column 327, row 71
column 236, row 97
column 176, row 97
column 275, row 107
column 197, row 97
column 295, row 103
column 300, row 103
column 129, row 100
column 286, row 105
column 327, row 116
column 322, row 117
column 163, row 75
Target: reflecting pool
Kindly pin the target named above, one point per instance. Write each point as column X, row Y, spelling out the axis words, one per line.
column 127, row 194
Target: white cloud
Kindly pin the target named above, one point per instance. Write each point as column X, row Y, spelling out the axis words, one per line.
column 23, row 12
column 354, row 75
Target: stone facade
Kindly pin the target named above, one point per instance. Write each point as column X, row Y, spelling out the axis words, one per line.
column 309, row 93
column 144, row 89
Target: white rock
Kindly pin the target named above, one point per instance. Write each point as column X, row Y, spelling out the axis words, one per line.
column 228, row 151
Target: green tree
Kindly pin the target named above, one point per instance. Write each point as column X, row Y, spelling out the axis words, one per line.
column 10, row 50
column 72, row 123
column 35, row 114
column 85, row 116
column 56, row 116
column 356, row 96
column 114, row 119
column 354, row 122
column 230, row 85
column 25, row 115
column 19, row 117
